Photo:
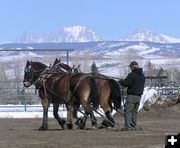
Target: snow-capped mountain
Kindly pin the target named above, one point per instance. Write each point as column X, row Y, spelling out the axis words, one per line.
column 149, row 36
column 84, row 34
column 68, row 34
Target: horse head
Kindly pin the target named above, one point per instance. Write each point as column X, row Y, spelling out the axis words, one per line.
column 77, row 69
column 32, row 72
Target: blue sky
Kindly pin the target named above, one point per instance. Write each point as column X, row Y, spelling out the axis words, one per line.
column 110, row 18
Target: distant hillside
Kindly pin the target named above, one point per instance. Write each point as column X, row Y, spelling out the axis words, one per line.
column 105, row 48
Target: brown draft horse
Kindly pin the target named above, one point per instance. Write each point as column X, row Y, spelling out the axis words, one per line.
column 97, row 90
column 102, row 91
column 82, row 87
column 54, row 80
column 32, row 73
column 92, row 89
column 84, row 92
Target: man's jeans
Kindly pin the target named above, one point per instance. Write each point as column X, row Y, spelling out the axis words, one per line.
column 131, row 111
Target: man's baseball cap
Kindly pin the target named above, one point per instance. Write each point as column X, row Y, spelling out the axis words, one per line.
column 133, row 63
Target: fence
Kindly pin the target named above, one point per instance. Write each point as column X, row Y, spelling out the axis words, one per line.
column 27, row 108
column 163, row 86
column 160, row 84
column 13, row 92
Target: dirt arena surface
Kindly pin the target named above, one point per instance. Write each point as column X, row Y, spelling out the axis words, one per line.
column 24, row 133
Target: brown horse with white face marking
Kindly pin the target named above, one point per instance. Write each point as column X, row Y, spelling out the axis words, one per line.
column 65, row 87
column 32, row 73
column 53, row 88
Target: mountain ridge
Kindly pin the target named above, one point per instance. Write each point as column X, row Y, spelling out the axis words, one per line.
column 84, row 34
column 149, row 36
column 66, row 34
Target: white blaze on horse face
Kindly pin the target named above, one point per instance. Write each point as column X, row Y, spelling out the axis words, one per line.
column 27, row 84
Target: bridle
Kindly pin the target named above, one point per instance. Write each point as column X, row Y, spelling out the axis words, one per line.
column 34, row 73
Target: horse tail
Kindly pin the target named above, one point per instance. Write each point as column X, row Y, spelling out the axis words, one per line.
column 94, row 94
column 115, row 93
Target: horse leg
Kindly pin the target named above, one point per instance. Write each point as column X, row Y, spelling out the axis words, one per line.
column 109, row 121
column 104, row 102
column 110, row 118
column 56, row 116
column 69, row 117
column 83, row 121
column 45, row 104
column 93, row 119
column 74, row 112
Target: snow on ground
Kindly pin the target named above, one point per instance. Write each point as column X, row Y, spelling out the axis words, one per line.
column 150, row 95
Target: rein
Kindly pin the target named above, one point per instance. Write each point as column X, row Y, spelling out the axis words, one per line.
column 99, row 76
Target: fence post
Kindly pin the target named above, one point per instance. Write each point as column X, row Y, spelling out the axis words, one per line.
column 25, row 107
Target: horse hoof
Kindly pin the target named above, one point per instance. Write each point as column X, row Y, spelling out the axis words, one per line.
column 42, row 128
column 78, row 121
column 61, row 123
column 101, row 126
column 70, row 126
column 81, row 126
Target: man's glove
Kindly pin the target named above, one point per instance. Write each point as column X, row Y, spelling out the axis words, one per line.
column 121, row 81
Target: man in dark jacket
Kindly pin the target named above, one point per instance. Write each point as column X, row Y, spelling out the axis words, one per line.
column 135, row 86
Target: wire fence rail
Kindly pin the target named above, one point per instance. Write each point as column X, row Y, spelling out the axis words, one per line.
column 14, row 93
column 27, row 108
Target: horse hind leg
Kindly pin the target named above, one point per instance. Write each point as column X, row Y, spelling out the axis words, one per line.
column 82, row 122
column 93, row 119
column 56, row 116
column 110, row 119
column 104, row 102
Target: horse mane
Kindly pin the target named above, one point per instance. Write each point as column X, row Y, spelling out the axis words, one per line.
column 57, row 63
column 39, row 63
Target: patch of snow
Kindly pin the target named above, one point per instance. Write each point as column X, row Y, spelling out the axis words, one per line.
column 150, row 95
column 149, row 51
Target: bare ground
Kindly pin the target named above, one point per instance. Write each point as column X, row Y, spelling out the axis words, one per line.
column 24, row 133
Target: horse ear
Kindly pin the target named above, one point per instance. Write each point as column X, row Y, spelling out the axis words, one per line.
column 59, row 60
column 27, row 63
column 79, row 66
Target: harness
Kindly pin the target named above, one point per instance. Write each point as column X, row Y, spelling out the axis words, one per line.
column 45, row 75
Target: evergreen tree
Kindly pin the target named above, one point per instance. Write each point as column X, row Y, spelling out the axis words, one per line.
column 94, row 69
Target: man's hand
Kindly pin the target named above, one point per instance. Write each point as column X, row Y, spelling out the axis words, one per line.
column 121, row 81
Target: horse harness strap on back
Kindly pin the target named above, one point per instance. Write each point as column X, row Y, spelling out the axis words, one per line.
column 74, row 90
